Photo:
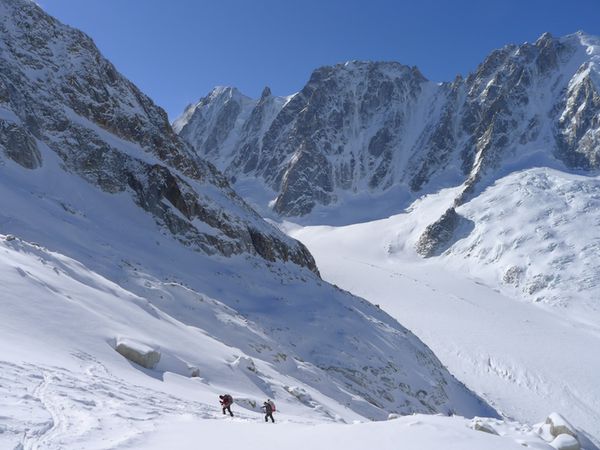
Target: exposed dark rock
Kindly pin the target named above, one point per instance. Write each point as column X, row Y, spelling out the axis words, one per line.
column 441, row 234
column 266, row 93
column 578, row 137
column 19, row 145
column 112, row 135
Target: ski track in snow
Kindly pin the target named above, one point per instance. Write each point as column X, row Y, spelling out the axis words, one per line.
column 93, row 409
column 65, row 407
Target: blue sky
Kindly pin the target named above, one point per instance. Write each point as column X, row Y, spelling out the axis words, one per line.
column 177, row 50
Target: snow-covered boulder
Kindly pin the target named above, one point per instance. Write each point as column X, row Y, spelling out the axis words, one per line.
column 565, row 442
column 480, row 425
column 559, row 433
column 171, row 361
column 559, row 425
column 138, row 353
column 244, row 362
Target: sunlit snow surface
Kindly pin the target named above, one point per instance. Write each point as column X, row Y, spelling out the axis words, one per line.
column 63, row 386
column 84, row 270
column 511, row 307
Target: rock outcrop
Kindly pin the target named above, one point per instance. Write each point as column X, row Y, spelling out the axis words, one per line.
column 19, row 145
column 56, row 89
column 438, row 234
column 559, row 425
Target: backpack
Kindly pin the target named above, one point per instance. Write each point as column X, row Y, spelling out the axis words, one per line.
column 272, row 405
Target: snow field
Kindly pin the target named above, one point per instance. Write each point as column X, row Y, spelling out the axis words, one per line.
column 56, row 395
column 411, row 432
column 525, row 357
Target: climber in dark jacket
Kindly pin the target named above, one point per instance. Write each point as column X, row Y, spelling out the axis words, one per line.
column 226, row 401
column 268, row 407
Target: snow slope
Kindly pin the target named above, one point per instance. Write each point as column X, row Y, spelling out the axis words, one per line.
column 470, row 304
column 63, row 383
column 70, row 389
column 413, row 432
column 64, row 386
column 113, row 232
column 298, row 322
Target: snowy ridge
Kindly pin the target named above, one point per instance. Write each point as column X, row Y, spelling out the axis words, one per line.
column 345, row 123
column 224, row 111
column 545, row 226
column 371, row 128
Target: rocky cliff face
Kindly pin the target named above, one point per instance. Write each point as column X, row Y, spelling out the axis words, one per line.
column 369, row 127
column 57, row 90
column 342, row 131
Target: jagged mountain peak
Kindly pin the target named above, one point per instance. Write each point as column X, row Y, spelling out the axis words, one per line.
column 266, row 92
column 58, row 93
column 223, row 94
column 362, row 67
column 365, row 128
column 218, row 97
column 545, row 39
column 361, row 76
column 583, row 37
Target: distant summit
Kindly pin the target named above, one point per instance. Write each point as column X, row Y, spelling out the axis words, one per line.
column 367, row 128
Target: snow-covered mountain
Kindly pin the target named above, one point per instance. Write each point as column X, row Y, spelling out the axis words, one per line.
column 376, row 127
column 362, row 141
column 57, row 90
column 115, row 233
